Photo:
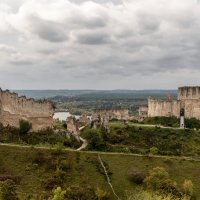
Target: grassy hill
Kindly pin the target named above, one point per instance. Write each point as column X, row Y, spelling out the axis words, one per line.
column 36, row 170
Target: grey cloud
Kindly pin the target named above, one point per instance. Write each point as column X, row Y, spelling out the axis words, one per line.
column 48, row 30
column 93, row 38
column 127, row 43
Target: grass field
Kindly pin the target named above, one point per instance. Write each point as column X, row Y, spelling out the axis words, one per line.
column 85, row 170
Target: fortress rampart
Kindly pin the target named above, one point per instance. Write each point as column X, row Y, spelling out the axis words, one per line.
column 163, row 108
column 188, row 99
column 13, row 108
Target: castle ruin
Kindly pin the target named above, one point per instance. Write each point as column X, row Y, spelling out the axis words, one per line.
column 109, row 114
column 101, row 117
column 188, row 101
column 14, row 108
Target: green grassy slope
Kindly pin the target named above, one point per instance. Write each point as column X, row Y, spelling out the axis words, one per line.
column 85, row 170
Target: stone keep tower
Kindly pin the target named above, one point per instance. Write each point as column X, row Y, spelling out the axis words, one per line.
column 189, row 98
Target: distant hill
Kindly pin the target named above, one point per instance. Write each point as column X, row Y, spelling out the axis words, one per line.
column 97, row 94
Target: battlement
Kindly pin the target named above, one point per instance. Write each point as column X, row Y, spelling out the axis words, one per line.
column 188, row 92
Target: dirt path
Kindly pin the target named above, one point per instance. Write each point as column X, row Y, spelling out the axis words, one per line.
column 104, row 153
column 107, row 177
column 84, row 144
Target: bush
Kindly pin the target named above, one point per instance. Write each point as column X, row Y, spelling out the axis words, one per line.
column 188, row 187
column 154, row 150
column 85, row 193
column 39, row 159
column 158, row 180
column 8, row 190
column 6, row 176
column 101, row 194
column 58, row 194
column 24, row 126
column 147, row 195
column 192, row 123
column 137, row 177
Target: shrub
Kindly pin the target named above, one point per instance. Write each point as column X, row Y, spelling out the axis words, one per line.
column 51, row 183
column 6, row 176
column 60, row 175
column 8, row 190
column 39, row 159
column 144, row 195
column 101, row 194
column 158, row 180
column 24, row 126
column 137, row 177
column 85, row 193
column 154, row 150
column 58, row 194
column 188, row 187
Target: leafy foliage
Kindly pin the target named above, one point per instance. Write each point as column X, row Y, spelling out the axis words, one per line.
column 58, row 194
column 8, row 190
column 24, row 126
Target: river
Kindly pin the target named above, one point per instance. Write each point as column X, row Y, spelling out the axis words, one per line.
column 63, row 115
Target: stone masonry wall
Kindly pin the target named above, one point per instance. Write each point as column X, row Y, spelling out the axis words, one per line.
column 13, row 108
column 163, row 108
column 185, row 93
column 109, row 114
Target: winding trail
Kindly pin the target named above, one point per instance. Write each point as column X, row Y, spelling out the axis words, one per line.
column 197, row 159
column 108, row 178
column 84, row 144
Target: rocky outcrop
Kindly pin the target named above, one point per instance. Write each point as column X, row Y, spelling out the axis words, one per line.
column 13, row 108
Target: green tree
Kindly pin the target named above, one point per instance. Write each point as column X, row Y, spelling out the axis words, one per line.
column 24, row 126
column 8, row 190
column 158, row 179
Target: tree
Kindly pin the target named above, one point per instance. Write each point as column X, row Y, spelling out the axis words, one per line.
column 158, row 179
column 58, row 194
column 24, row 126
column 8, row 190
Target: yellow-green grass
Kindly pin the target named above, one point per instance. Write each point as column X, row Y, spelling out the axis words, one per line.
column 19, row 161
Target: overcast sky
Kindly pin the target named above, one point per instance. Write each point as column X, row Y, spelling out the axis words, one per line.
column 99, row 44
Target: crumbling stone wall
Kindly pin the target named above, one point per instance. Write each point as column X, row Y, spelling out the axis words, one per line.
column 72, row 127
column 143, row 112
column 188, row 99
column 109, row 114
column 163, row 108
column 13, row 108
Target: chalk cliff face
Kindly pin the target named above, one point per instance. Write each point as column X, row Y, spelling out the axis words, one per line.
column 188, row 99
column 13, row 108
